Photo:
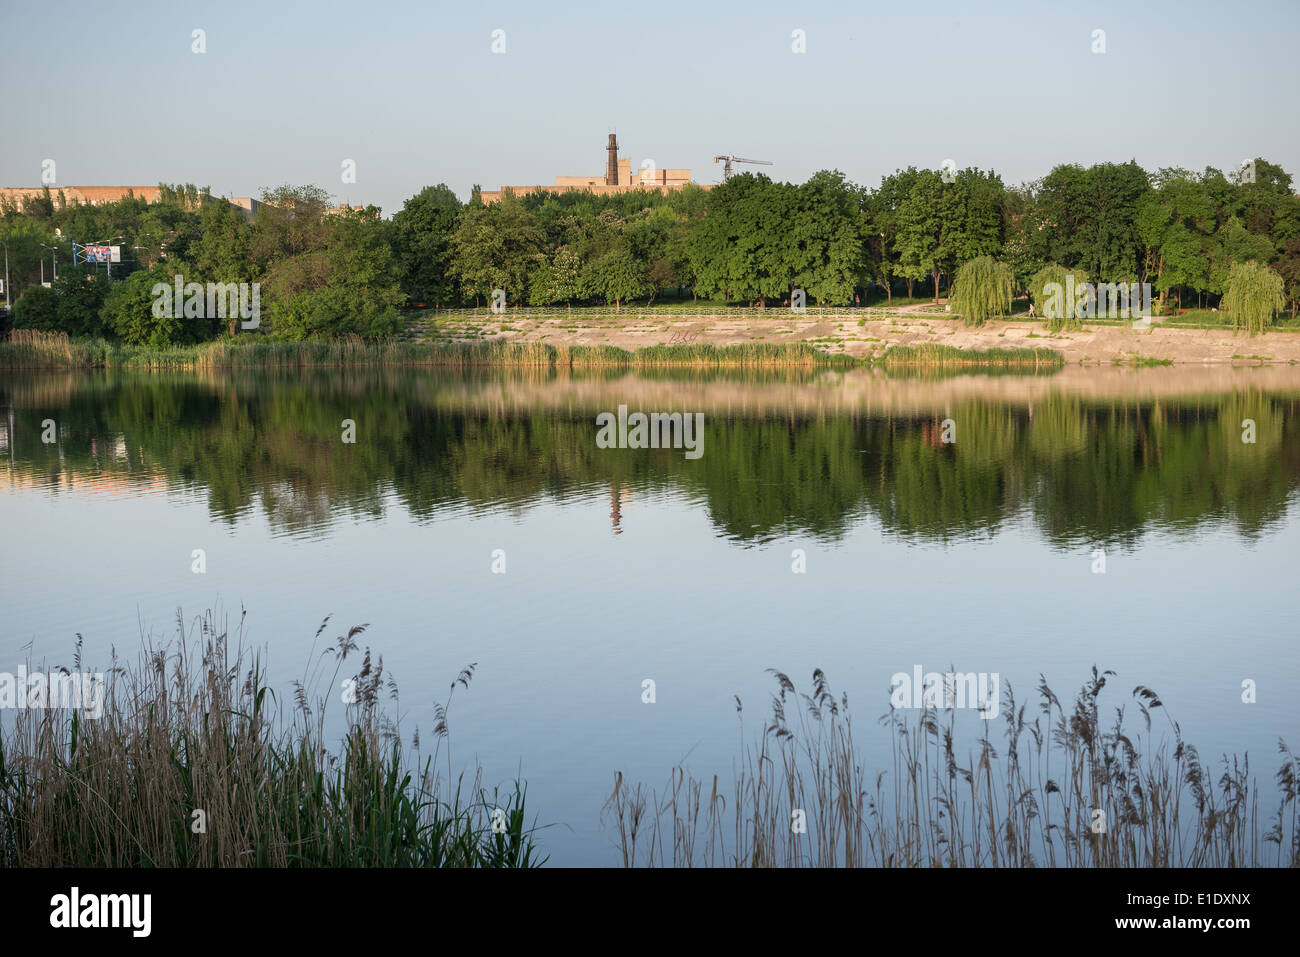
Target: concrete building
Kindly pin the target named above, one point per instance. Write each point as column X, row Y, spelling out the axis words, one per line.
column 96, row 195
column 83, row 195
column 619, row 177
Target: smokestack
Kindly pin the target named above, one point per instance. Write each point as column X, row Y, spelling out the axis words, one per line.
column 611, row 165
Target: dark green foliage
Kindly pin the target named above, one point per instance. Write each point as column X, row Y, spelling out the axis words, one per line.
column 129, row 314
column 198, row 727
column 748, row 240
column 37, row 309
column 421, row 238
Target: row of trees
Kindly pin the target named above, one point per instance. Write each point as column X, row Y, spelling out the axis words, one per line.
column 750, row 239
column 321, row 272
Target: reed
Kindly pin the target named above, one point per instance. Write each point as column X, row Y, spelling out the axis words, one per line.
column 938, row 354
column 1031, row 800
column 193, row 726
column 55, row 350
column 745, row 355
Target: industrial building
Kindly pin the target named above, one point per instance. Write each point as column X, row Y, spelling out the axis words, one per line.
column 618, row 178
column 97, row 195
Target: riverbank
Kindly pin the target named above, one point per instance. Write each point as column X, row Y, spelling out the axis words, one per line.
column 54, row 351
column 870, row 334
column 590, row 340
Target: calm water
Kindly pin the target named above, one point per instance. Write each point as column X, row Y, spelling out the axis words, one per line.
column 626, row 564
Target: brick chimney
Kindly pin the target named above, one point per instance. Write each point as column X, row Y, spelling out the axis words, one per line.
column 611, row 165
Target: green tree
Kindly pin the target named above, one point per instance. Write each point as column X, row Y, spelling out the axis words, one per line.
column 290, row 221
column 982, row 288
column 24, row 236
column 883, row 213
column 1062, row 295
column 616, row 277
column 559, row 280
column 1254, row 295
column 1288, row 267
column 350, row 285
column 1088, row 219
column 496, row 246
column 422, row 232
column 223, row 249
column 824, row 251
column 941, row 224
column 81, row 295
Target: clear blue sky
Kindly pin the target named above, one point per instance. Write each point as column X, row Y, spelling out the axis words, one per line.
column 412, row 92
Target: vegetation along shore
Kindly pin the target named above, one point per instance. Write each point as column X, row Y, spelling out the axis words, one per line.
column 1208, row 248
column 189, row 759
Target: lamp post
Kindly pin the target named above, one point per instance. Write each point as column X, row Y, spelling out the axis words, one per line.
column 8, row 308
column 54, row 258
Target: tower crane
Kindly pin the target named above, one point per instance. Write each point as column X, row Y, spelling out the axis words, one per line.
column 729, row 158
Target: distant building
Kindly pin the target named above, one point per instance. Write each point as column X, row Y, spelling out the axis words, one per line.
column 249, row 205
column 84, row 195
column 618, row 178
column 97, row 195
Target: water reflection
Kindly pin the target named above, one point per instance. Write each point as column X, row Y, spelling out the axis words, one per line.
column 1100, row 457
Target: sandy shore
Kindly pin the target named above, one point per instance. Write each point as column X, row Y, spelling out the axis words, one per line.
column 871, row 332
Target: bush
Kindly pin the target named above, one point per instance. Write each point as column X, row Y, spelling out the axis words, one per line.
column 128, row 313
column 38, row 309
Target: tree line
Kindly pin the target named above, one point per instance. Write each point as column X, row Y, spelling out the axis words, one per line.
column 1201, row 239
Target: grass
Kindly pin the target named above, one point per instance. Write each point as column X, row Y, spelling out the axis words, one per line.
column 34, row 350
column 194, row 727
column 1027, row 801
column 937, row 354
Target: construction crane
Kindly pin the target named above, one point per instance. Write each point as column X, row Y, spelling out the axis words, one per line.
column 730, row 158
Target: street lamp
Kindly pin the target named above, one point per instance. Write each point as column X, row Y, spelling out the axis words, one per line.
column 8, row 308
column 53, row 259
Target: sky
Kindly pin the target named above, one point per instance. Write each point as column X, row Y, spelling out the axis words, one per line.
column 413, row 94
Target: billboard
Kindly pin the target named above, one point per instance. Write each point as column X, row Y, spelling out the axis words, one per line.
column 96, row 254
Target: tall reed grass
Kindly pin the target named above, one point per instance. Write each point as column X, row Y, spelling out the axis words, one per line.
column 194, row 726
column 938, row 354
column 25, row 349
column 1031, row 800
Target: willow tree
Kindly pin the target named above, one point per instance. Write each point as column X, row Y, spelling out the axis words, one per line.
column 982, row 289
column 1254, row 294
column 1061, row 295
